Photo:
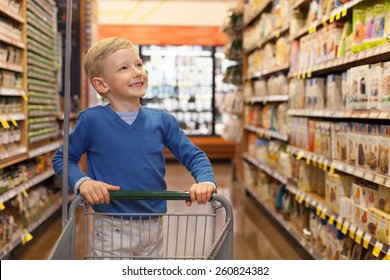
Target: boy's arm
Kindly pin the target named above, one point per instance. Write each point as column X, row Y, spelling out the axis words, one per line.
column 193, row 159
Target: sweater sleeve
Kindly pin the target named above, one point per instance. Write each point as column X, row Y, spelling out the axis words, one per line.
column 77, row 147
column 194, row 159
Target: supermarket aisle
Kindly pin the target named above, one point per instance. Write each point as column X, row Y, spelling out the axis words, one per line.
column 254, row 236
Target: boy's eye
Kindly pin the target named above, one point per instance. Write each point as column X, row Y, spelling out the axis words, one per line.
column 123, row 68
column 139, row 65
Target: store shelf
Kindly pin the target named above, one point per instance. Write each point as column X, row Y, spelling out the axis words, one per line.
column 12, row 41
column 12, row 152
column 12, row 117
column 11, row 92
column 267, row 169
column 17, row 238
column 11, row 66
column 4, row 10
column 267, row 133
column 336, row 14
column 357, row 234
column 265, row 99
column 340, row 114
column 340, row 166
column 256, row 15
column 44, row 149
column 285, row 224
column 262, row 74
column 25, row 186
column 373, row 55
column 272, row 37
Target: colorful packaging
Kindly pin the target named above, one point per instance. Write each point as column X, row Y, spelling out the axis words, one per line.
column 362, row 149
column 359, row 19
column 334, row 92
column 384, row 199
column 353, row 96
column 382, row 225
column 378, row 30
column 343, row 137
column 385, row 97
column 373, row 150
column 353, row 140
column 383, row 149
column 364, row 75
column 375, row 87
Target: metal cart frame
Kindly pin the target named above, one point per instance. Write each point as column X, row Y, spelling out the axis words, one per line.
column 218, row 247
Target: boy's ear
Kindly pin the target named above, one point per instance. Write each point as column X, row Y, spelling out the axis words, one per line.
column 99, row 84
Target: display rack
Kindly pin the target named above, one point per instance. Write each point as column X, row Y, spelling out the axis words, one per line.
column 256, row 78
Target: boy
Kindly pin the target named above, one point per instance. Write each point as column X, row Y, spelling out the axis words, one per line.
column 124, row 143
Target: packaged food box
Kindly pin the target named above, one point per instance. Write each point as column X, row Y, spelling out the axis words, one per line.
column 358, row 194
column 384, row 100
column 359, row 216
column 383, row 149
column 382, row 225
column 373, row 151
column 335, row 31
column 333, row 92
column 372, row 194
column 362, row 149
column 375, row 85
column 343, row 136
column 336, row 187
column 345, row 89
column 353, row 142
column 372, row 221
column 364, row 74
column 335, row 141
column 384, row 199
column 353, row 96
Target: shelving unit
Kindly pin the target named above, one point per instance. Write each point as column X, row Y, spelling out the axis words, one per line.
column 322, row 121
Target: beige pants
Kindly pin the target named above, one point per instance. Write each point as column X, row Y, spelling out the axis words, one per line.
column 113, row 238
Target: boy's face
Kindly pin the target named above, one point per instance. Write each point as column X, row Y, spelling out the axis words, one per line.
column 123, row 76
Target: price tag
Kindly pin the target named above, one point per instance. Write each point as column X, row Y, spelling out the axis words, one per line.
column 379, row 180
column 296, row 196
column 24, row 95
column 303, row 75
column 350, row 170
column 323, row 213
column 324, row 23
column 26, row 237
column 344, row 229
column 339, row 224
column 14, row 123
column 344, row 12
column 331, row 169
column 369, row 176
column 2, row 206
column 4, row 123
column 25, row 194
column 264, row 102
column 300, row 155
column 358, row 236
column 359, row 173
column 352, row 230
column 308, row 159
column 366, row 240
column 331, row 219
column 307, row 203
column 320, row 164
column 338, row 15
column 377, row 249
column 277, row 34
column 309, row 74
column 318, row 211
column 387, row 257
column 383, row 115
column 331, row 19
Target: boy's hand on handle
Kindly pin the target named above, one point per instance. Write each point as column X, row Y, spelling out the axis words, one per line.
column 200, row 193
column 96, row 192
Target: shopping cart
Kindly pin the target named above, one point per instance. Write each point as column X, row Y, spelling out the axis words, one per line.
column 206, row 232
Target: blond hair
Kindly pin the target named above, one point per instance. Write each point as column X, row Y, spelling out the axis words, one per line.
column 99, row 51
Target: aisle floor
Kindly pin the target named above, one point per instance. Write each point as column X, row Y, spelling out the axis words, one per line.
column 255, row 236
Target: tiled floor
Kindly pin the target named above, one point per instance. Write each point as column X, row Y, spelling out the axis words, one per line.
column 255, row 237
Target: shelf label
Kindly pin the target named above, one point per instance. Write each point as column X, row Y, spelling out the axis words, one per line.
column 344, row 230
column 331, row 19
column 338, row 15
column 300, row 155
column 387, row 257
column 26, row 237
column 325, row 167
column 25, row 194
column 369, row 176
column 377, row 249
column 339, row 224
column 24, row 95
column 308, row 160
column 366, row 240
column 344, row 12
column 4, row 123
column 2, row 206
column 379, row 180
column 331, row 219
column 309, row 74
column 14, row 123
column 358, row 236
column 318, row 211
column 352, row 230
column 331, row 169
column 323, row 214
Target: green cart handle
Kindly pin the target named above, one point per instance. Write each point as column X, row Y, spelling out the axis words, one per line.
column 149, row 195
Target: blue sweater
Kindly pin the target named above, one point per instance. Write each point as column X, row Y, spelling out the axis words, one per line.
column 130, row 156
